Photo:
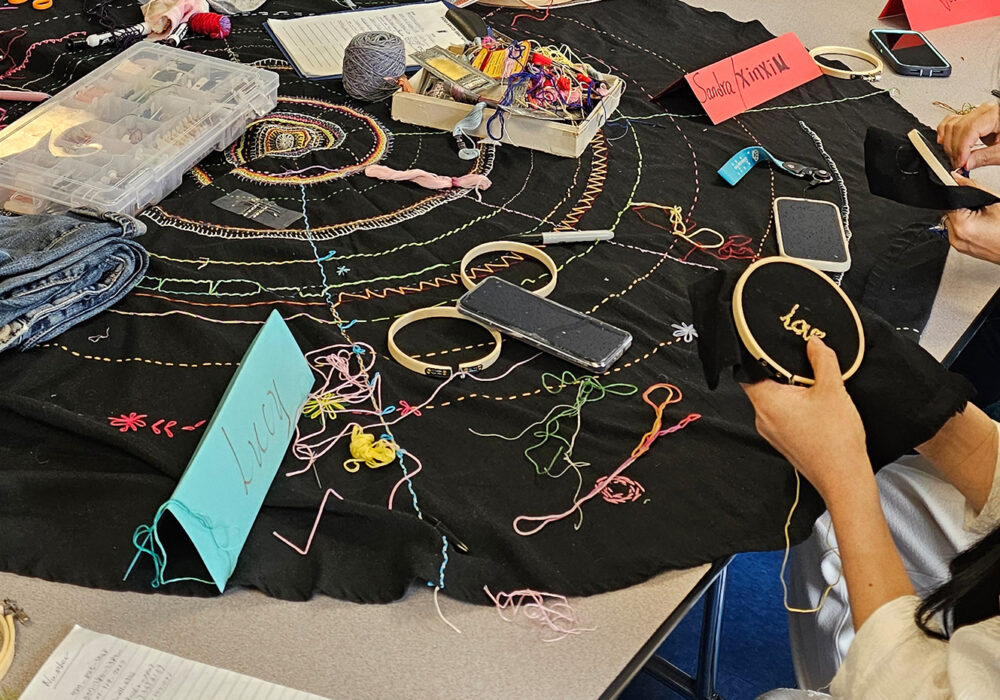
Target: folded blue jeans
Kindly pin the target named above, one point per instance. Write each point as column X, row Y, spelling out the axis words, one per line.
column 56, row 271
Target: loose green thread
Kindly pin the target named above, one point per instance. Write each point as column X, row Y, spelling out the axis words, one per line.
column 551, row 427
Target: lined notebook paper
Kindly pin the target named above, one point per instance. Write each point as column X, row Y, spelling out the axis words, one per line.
column 97, row 666
column 315, row 45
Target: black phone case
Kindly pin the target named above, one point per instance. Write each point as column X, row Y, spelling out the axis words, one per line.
column 566, row 333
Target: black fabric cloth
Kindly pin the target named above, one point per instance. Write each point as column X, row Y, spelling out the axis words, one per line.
column 902, row 393
column 94, row 435
column 898, row 172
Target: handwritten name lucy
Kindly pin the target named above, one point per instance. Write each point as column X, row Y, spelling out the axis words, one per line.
column 800, row 327
column 272, row 414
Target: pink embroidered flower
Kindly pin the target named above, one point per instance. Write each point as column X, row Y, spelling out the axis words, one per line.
column 133, row 421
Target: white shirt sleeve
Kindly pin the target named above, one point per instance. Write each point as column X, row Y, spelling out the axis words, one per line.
column 891, row 657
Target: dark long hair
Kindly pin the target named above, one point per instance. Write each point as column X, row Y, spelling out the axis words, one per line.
column 971, row 595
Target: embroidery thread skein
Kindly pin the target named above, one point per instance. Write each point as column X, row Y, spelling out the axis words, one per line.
column 673, row 396
column 428, row 180
column 470, row 122
column 210, row 24
column 373, row 62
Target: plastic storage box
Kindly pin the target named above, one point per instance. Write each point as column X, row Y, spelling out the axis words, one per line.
column 122, row 137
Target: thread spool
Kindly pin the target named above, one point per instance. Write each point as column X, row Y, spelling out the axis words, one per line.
column 373, row 62
column 210, row 24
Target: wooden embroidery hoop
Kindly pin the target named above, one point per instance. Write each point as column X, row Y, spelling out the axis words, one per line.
column 754, row 347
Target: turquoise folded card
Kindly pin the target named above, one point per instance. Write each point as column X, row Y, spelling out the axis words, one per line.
column 222, row 489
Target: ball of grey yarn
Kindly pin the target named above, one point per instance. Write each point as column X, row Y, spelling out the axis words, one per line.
column 372, row 63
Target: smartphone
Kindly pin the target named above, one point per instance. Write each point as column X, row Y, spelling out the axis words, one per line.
column 909, row 53
column 544, row 324
column 933, row 162
column 812, row 231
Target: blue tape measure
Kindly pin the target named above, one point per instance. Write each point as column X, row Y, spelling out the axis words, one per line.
column 744, row 161
column 741, row 163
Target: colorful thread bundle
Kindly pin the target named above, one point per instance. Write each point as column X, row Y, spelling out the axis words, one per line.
column 373, row 63
column 341, row 369
column 210, row 24
column 674, row 395
column 550, row 610
column 428, row 180
column 499, row 61
column 678, row 227
column 365, row 449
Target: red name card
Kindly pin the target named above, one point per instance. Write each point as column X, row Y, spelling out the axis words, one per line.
column 931, row 14
column 749, row 78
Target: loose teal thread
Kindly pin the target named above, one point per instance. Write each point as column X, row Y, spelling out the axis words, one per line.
column 444, row 562
column 328, row 256
column 312, row 243
column 158, row 552
column 358, row 350
column 409, row 484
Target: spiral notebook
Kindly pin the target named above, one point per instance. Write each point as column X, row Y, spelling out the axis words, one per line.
column 315, row 45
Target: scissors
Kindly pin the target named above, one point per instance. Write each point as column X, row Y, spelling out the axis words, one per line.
column 37, row 4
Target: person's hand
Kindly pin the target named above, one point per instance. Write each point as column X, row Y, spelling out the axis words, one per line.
column 816, row 428
column 958, row 134
column 975, row 232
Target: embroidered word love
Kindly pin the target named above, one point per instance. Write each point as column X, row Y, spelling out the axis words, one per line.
column 799, row 326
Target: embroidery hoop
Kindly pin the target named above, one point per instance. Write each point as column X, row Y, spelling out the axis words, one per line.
column 753, row 344
column 430, row 369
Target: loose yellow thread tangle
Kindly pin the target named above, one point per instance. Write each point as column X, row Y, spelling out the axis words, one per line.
column 365, row 449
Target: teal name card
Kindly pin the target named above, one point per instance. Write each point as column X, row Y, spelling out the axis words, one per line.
column 222, row 489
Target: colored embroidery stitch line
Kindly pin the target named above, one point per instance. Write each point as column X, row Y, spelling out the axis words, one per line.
column 484, row 165
column 162, row 363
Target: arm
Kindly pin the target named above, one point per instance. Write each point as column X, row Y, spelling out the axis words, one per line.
column 819, row 431
column 975, row 233
column 965, row 453
column 958, row 134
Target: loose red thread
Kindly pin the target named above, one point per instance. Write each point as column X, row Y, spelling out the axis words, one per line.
column 736, row 247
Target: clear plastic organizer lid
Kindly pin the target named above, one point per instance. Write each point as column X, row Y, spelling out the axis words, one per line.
column 121, row 137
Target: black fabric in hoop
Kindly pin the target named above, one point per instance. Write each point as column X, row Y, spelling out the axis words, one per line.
column 896, row 171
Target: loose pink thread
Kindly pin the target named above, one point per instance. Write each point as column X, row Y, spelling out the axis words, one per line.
column 619, row 489
column 312, row 533
column 550, row 610
column 642, row 448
